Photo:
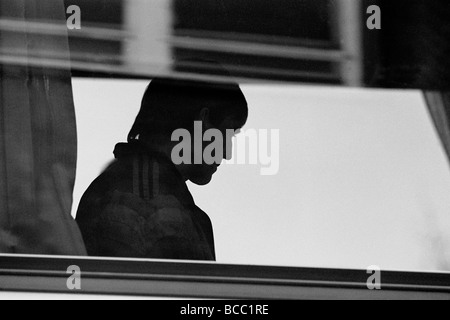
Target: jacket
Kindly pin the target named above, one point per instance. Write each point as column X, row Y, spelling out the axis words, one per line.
column 140, row 207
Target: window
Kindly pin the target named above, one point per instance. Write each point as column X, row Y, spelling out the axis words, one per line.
column 342, row 164
column 359, row 175
column 291, row 48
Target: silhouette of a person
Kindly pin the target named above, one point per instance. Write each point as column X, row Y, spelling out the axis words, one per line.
column 140, row 206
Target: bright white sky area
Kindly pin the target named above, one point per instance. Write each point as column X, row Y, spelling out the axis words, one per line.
column 363, row 177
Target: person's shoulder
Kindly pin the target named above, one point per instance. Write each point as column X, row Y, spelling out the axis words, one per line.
column 117, row 176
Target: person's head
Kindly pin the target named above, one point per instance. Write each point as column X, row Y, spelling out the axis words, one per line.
column 169, row 105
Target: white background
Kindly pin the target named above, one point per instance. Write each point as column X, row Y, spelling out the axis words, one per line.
column 363, row 178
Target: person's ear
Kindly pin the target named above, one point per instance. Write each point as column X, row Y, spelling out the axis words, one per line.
column 204, row 116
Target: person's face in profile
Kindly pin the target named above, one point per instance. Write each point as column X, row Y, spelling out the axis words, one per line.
column 202, row 174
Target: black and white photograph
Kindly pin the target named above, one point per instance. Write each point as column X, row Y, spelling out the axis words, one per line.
column 226, row 150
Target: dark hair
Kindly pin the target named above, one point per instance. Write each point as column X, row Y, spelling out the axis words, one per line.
column 171, row 104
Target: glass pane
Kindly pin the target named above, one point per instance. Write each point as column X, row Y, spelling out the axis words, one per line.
column 357, row 177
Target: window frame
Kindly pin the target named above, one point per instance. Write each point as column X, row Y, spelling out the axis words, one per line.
column 183, row 279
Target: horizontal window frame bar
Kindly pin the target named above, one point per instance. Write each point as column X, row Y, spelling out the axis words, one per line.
column 260, row 49
column 157, row 278
column 59, row 28
column 257, row 38
column 127, row 71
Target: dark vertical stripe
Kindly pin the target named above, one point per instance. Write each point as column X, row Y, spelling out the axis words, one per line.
column 156, row 178
column 146, row 178
column 140, row 175
column 136, row 176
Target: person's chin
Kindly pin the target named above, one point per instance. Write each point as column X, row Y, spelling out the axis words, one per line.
column 202, row 181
